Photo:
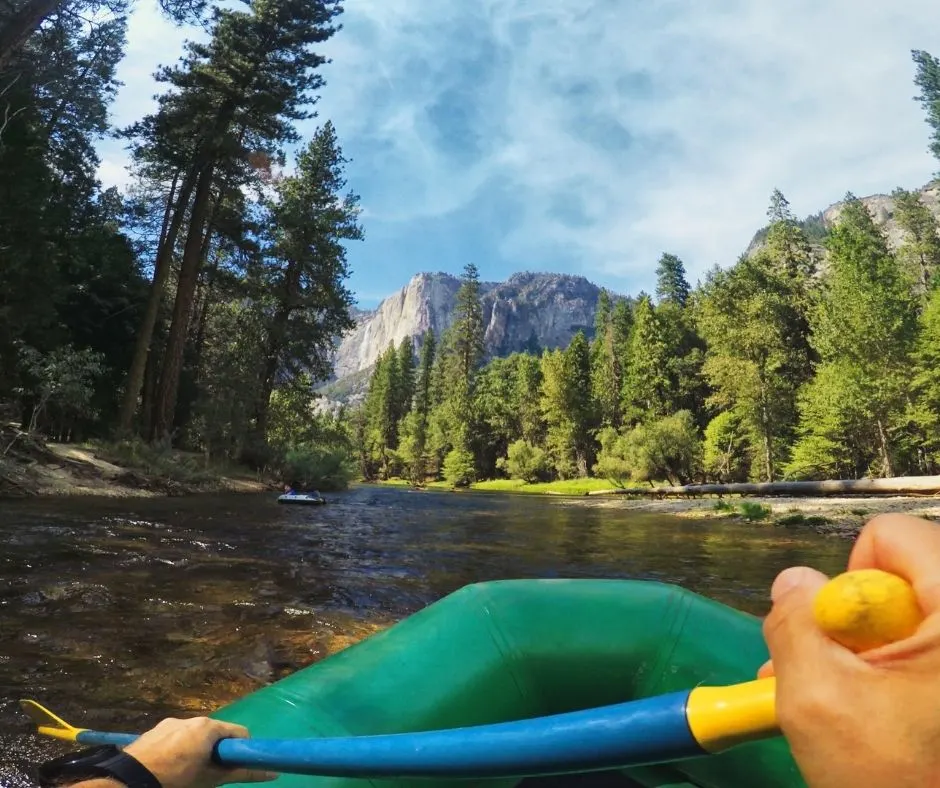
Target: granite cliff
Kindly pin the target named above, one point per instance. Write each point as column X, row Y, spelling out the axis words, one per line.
column 881, row 207
column 527, row 309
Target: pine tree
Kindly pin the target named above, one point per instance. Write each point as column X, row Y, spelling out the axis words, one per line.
column 228, row 101
column 602, row 314
column 863, row 331
column 303, row 269
column 461, row 357
column 417, row 430
column 606, row 369
column 646, row 385
column 406, row 377
column 526, row 393
column 744, row 316
column 671, row 284
column 556, row 406
column 928, row 80
column 925, row 406
column 19, row 23
column 920, row 253
column 468, row 326
column 582, row 411
column 380, row 406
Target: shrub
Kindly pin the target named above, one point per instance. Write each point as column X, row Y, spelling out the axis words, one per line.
column 459, row 469
column 527, row 462
column 323, row 468
column 725, row 448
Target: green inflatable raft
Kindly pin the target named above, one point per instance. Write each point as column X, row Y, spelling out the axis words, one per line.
column 522, row 649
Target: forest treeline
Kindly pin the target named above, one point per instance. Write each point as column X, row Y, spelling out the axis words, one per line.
column 198, row 306
column 814, row 357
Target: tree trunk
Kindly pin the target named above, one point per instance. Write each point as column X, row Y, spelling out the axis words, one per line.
column 766, row 433
column 149, row 393
column 22, row 25
column 161, row 272
column 182, row 309
column 886, row 468
column 211, row 273
column 272, row 353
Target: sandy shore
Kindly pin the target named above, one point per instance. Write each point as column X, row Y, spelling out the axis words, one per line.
column 63, row 469
column 832, row 515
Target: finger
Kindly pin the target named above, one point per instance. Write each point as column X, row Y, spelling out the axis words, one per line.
column 248, row 776
column 795, row 642
column 906, row 546
column 766, row 670
column 228, row 730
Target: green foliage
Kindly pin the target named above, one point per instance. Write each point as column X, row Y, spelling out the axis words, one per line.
column 754, row 511
column 919, row 255
column 671, row 284
column 612, row 459
column 754, row 321
column 863, row 329
column 526, row 462
column 668, row 448
column 928, row 80
column 318, row 467
column 783, row 368
column 459, row 469
column 726, row 448
column 156, row 460
column 568, row 407
column 646, row 387
column 924, row 407
column 60, row 387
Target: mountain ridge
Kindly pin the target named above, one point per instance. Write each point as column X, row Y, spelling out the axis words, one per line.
column 529, row 306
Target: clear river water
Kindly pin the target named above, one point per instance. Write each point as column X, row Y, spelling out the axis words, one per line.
column 117, row 612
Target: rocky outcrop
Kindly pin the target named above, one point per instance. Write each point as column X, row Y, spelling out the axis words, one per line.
column 427, row 301
column 528, row 310
column 881, row 207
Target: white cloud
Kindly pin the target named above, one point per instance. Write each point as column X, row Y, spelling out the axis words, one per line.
column 737, row 98
column 713, row 104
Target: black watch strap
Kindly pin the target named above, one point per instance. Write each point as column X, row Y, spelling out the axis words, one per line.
column 128, row 770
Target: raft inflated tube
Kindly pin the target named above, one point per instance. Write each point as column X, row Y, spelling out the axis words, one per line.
column 676, row 725
column 649, row 730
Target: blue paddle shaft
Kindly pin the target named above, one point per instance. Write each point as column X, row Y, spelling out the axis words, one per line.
column 100, row 737
column 651, row 730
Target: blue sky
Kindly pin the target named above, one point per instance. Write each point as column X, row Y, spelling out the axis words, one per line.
column 589, row 136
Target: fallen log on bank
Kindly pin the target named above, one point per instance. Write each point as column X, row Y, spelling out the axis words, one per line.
column 899, row 485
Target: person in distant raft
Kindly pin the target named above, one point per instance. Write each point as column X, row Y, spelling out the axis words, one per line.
column 867, row 720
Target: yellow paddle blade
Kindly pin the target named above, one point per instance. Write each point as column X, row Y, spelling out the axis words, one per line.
column 48, row 723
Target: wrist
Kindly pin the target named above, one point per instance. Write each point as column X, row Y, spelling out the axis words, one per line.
column 97, row 767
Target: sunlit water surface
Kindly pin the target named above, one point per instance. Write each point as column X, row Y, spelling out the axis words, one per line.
column 115, row 613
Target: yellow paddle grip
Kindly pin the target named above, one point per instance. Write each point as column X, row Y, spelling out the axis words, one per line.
column 861, row 610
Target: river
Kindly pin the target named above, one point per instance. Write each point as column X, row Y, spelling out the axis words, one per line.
column 117, row 612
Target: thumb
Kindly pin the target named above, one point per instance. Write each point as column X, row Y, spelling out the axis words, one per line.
column 794, row 640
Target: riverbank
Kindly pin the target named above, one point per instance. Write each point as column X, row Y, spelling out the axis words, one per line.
column 831, row 515
column 837, row 516
column 29, row 467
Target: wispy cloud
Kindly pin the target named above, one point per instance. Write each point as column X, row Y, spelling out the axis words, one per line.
column 591, row 136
